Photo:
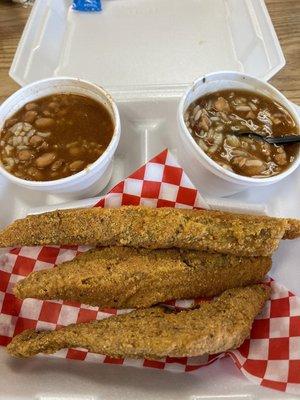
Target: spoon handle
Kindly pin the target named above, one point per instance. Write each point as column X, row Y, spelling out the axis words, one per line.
column 283, row 139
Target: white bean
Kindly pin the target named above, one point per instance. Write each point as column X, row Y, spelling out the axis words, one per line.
column 24, row 155
column 254, row 163
column 198, row 115
column 76, row 165
column 243, row 108
column 232, row 141
column 222, row 104
column 196, row 109
column 35, row 140
column 10, row 162
column 44, row 134
column 45, row 160
column 252, row 106
column 202, row 144
column 219, row 128
column 30, row 116
column 31, row 106
column 56, row 165
column 44, row 123
column 237, row 152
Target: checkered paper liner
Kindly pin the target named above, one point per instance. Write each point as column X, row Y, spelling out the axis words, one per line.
column 270, row 357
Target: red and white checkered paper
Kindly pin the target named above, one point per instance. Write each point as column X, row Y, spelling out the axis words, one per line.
column 270, row 357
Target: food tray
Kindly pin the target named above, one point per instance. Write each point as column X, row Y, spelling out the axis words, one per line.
column 142, row 121
column 56, row 41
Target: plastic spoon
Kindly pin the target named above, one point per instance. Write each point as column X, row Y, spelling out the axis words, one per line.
column 288, row 139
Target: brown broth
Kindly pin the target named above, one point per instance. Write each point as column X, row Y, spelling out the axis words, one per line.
column 213, row 119
column 55, row 137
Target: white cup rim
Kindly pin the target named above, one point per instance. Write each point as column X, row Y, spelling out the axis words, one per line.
column 215, row 167
column 101, row 160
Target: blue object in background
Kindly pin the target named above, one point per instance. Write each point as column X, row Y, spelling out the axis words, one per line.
column 87, row 5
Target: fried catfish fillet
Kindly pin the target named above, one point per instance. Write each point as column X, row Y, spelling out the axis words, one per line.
column 216, row 326
column 224, row 232
column 124, row 277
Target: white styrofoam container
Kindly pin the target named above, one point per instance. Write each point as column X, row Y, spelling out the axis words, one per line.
column 142, row 48
column 145, row 52
column 201, row 169
column 89, row 181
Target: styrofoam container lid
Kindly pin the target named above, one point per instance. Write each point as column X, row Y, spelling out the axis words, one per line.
column 147, row 47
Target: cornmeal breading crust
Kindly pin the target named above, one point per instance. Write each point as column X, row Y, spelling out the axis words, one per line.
column 215, row 327
column 124, row 277
column 247, row 235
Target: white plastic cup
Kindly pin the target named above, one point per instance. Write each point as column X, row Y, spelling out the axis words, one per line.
column 92, row 179
column 206, row 174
